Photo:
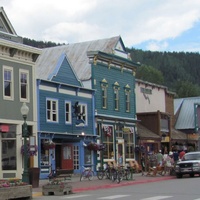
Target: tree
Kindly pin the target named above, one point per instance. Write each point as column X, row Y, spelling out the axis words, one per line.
column 187, row 89
column 150, row 74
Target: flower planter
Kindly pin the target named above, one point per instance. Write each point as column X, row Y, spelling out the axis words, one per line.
column 16, row 192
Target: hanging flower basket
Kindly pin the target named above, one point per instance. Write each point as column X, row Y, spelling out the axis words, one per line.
column 49, row 145
column 95, row 147
column 31, row 150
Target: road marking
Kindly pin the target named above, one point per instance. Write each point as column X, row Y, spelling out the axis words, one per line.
column 197, row 199
column 114, row 197
column 76, row 196
column 157, row 198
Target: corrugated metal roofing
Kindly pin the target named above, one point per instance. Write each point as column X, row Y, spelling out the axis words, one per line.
column 186, row 118
column 76, row 54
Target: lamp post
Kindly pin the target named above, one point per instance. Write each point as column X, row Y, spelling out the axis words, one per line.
column 25, row 135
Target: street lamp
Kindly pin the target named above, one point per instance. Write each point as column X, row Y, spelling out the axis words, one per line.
column 25, row 135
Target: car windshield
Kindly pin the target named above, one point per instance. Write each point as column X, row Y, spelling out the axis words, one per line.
column 191, row 157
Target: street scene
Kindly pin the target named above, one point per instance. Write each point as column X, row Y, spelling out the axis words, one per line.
column 96, row 118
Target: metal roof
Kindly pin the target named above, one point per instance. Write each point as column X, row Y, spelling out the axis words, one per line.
column 186, row 116
column 76, row 54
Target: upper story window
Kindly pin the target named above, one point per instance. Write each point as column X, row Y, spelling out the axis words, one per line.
column 82, row 112
column 116, row 95
column 24, row 85
column 68, row 114
column 52, row 110
column 127, row 98
column 104, row 86
column 8, row 92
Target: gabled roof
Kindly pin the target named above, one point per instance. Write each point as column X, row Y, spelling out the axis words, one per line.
column 7, row 31
column 186, row 117
column 77, row 55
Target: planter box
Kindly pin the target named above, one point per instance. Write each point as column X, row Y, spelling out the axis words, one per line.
column 57, row 189
column 16, row 192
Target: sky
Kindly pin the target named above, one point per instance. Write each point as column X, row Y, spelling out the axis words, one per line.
column 155, row 25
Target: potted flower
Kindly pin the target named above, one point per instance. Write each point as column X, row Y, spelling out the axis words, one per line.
column 31, row 150
column 49, row 145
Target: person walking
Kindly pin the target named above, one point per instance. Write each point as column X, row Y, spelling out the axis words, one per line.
column 143, row 163
column 159, row 158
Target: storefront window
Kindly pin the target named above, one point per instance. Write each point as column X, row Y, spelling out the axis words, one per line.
column 129, row 145
column 88, row 157
column 108, row 142
column 8, row 145
column 44, row 153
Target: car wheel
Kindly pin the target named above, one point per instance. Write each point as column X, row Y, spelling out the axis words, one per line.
column 179, row 175
column 191, row 175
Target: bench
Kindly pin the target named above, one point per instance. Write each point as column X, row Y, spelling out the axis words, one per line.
column 65, row 174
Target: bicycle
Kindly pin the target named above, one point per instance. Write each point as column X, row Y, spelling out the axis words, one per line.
column 126, row 172
column 116, row 175
column 87, row 173
column 104, row 172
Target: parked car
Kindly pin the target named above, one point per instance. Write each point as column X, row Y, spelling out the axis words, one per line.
column 190, row 164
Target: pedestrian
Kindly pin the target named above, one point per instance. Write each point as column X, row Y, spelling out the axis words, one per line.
column 143, row 163
column 159, row 158
column 175, row 156
column 181, row 154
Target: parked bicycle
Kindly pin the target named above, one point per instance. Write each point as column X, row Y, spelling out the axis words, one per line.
column 87, row 173
column 126, row 172
column 105, row 172
column 116, row 174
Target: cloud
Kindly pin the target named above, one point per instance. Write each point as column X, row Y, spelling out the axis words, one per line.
column 138, row 22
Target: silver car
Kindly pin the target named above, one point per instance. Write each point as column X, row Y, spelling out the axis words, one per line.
column 190, row 164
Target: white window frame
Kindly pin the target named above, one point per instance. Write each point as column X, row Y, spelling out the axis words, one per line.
column 21, row 71
column 83, row 113
column 52, row 112
column 127, row 100
column 104, row 96
column 69, row 113
column 116, row 98
column 11, row 97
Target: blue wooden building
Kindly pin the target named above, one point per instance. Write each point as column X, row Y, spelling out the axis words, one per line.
column 65, row 115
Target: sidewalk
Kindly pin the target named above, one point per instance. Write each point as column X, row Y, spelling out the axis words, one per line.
column 95, row 184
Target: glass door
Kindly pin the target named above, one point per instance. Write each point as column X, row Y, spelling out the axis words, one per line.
column 120, row 152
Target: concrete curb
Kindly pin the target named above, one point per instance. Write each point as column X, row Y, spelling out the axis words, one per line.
column 113, row 185
column 107, row 186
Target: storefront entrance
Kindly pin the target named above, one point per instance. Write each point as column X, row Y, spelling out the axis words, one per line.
column 120, row 152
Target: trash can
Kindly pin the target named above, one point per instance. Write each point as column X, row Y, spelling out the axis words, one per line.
column 34, row 175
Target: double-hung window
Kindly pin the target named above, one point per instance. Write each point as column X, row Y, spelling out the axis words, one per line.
column 52, row 110
column 24, row 85
column 104, row 91
column 127, row 98
column 8, row 92
column 68, row 114
column 116, row 96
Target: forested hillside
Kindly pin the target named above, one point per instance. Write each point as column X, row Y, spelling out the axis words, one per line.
column 180, row 72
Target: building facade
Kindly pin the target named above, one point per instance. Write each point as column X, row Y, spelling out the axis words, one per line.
column 66, row 116
column 17, row 83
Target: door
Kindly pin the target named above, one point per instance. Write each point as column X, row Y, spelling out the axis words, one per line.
column 120, row 152
column 67, row 157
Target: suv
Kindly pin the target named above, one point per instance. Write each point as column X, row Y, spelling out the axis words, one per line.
column 190, row 164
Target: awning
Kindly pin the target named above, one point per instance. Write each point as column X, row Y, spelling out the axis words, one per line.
column 178, row 135
column 145, row 133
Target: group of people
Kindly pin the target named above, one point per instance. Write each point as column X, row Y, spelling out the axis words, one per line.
column 166, row 160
